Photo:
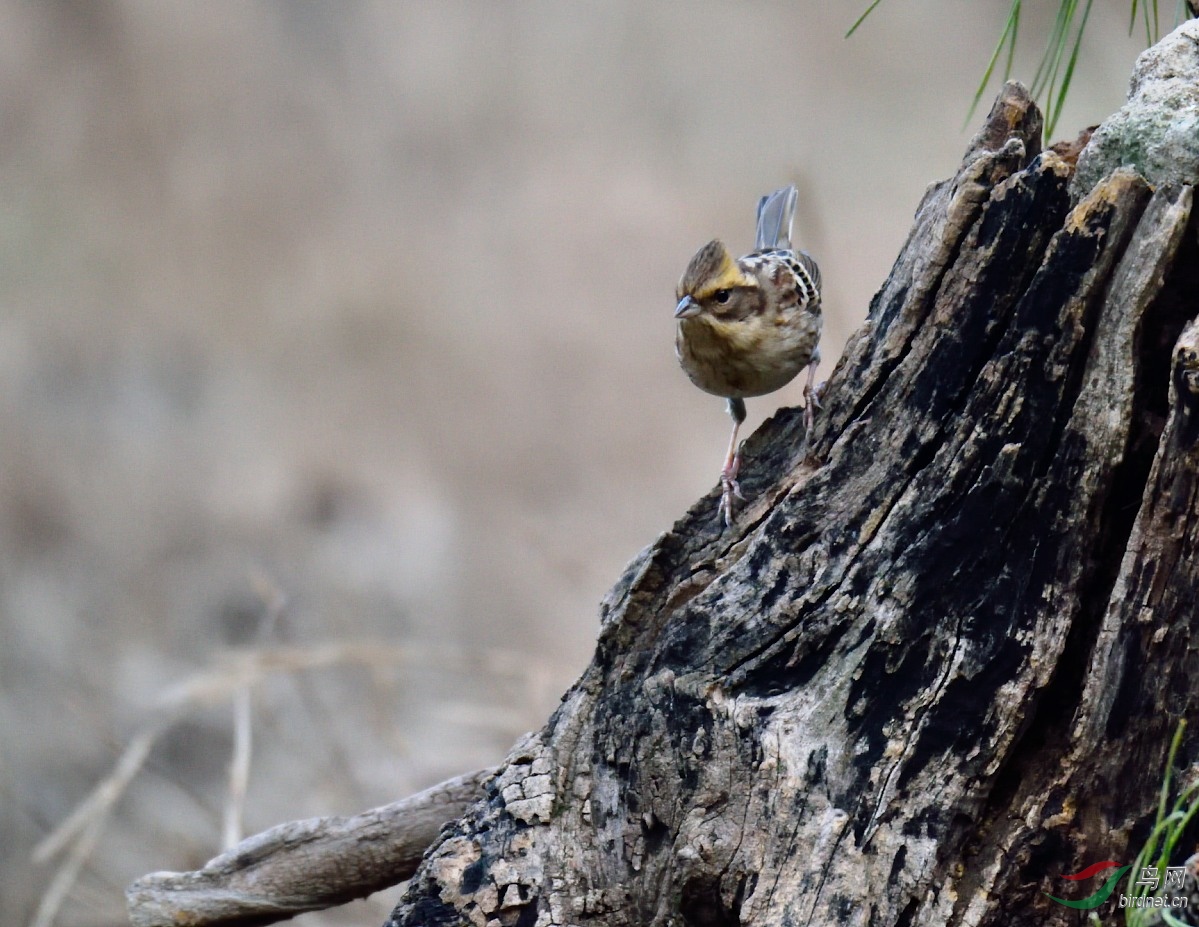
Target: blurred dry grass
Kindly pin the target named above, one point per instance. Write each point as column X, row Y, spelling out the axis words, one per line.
column 367, row 305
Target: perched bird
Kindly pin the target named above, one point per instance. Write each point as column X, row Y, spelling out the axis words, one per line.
column 747, row 327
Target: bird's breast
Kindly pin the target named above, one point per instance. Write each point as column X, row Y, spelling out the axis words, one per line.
column 748, row 357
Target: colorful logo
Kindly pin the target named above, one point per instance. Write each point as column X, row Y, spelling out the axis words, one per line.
column 1095, row 900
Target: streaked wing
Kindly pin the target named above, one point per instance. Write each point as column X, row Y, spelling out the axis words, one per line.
column 775, row 214
column 809, row 264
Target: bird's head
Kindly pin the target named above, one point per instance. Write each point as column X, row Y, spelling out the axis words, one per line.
column 715, row 285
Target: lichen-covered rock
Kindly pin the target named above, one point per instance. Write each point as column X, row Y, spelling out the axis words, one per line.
column 1157, row 130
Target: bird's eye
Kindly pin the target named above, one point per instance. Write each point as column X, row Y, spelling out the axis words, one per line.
column 722, row 296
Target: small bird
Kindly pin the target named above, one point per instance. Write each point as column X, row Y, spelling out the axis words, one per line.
column 747, row 327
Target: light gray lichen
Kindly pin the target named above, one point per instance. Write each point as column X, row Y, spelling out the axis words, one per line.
column 1157, row 131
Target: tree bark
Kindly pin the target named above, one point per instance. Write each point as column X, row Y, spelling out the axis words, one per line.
column 937, row 661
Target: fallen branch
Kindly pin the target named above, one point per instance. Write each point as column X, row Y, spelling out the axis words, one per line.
column 304, row 865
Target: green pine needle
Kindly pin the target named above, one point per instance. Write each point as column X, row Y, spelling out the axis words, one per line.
column 1008, row 38
column 861, row 19
column 1051, row 81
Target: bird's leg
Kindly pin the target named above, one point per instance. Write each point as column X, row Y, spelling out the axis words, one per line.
column 732, row 464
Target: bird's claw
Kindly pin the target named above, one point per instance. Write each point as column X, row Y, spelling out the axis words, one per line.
column 730, row 488
column 811, row 403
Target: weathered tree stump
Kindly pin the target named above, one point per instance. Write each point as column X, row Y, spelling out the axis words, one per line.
column 938, row 660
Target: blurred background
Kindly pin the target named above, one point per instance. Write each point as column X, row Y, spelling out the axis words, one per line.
column 337, row 378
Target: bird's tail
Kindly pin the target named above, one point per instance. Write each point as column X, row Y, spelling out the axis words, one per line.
column 775, row 215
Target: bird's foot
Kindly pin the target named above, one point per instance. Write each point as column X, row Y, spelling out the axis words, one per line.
column 730, row 488
column 811, row 404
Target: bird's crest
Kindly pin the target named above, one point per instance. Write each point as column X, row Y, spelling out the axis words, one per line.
column 712, row 269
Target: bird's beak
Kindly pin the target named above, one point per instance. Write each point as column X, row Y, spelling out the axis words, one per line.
column 686, row 308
